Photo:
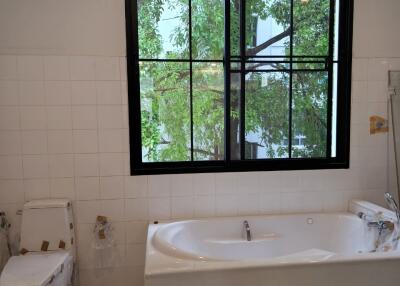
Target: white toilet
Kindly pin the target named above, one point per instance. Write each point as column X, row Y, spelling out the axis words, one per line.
column 47, row 246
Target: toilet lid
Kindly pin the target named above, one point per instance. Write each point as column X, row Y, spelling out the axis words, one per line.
column 33, row 269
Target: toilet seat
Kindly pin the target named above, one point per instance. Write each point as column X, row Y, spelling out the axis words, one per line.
column 38, row 269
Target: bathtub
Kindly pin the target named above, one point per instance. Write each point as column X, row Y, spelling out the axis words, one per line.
column 320, row 249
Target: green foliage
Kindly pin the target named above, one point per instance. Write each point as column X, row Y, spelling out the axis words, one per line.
column 165, row 101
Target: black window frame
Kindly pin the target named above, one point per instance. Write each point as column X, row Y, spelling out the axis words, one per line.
column 340, row 161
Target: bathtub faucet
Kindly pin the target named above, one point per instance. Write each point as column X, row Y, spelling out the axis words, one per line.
column 247, row 229
column 382, row 225
column 391, row 202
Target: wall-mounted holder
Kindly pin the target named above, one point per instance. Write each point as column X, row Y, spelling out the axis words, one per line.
column 103, row 236
column 394, row 81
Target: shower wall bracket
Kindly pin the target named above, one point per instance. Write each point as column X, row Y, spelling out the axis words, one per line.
column 394, row 81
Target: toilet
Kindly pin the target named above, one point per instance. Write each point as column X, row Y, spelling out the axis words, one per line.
column 47, row 248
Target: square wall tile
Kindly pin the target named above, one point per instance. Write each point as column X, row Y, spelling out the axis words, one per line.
column 111, row 140
column 56, row 68
column 8, row 67
column 108, row 92
column 249, row 204
column 293, row 202
column 226, row 205
column 135, row 254
column 247, row 183
column 136, row 186
column 107, row 68
column 10, row 167
column 61, row 166
column 84, row 117
column 181, row 185
column 33, row 117
column 9, row 93
column 36, row 189
column 11, row 191
column 270, row 203
column 111, row 164
column 112, row 187
column 58, row 92
column 119, row 228
column 34, row 142
column 87, row 211
column 112, row 209
column 62, row 188
column 359, row 91
column 110, row 116
column 225, row 183
column 83, row 93
column 159, row 208
column 10, row 142
column 378, row 69
column 182, row 207
column 136, row 232
column 159, row 186
column 204, row 184
column 59, row 141
column 86, row 165
column 30, row 68
column 360, row 69
column 204, row 206
column 31, row 93
column 82, row 67
column 136, row 209
column 9, row 118
column 59, row 117
column 85, row 141
column 35, row 166
column 87, row 188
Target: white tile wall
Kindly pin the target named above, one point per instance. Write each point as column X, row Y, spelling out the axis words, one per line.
column 63, row 133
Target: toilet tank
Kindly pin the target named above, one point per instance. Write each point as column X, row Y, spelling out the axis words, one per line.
column 48, row 222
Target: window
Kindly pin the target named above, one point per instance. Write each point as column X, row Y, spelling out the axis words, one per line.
column 238, row 85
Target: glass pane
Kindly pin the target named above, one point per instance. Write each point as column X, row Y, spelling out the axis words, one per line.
column 267, row 110
column 208, row 111
column 165, row 111
column 311, row 27
column 310, row 97
column 267, row 27
column 235, row 116
column 163, row 29
column 208, row 29
column 235, row 66
column 309, row 64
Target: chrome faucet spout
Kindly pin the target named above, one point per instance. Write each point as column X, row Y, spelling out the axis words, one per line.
column 247, row 229
column 391, row 202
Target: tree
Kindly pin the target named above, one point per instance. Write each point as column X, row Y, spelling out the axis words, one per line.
column 165, row 101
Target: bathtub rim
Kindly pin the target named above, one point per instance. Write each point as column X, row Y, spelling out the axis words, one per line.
column 158, row 263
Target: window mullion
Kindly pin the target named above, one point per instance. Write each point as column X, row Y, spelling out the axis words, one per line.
column 330, row 78
column 227, row 81
column 191, row 80
column 291, row 80
column 242, row 32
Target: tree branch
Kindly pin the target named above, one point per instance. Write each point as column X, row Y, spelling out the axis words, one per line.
column 254, row 51
column 204, row 152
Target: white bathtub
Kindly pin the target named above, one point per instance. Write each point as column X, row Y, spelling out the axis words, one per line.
column 298, row 249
